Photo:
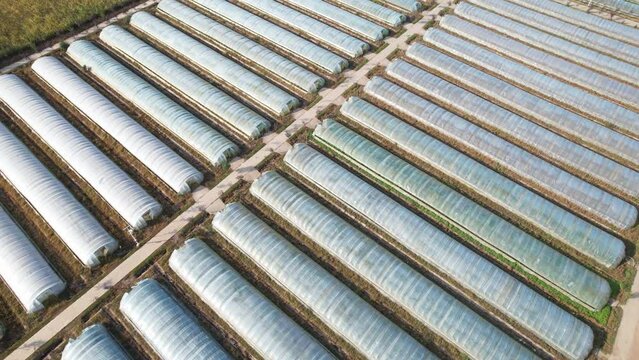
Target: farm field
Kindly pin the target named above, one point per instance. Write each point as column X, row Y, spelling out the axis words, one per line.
column 351, row 179
column 26, row 24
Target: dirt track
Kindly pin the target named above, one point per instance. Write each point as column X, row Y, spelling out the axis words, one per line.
column 627, row 342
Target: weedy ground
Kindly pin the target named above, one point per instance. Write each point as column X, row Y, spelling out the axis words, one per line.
column 25, row 24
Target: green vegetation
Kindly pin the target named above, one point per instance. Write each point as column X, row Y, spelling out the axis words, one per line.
column 445, row 11
column 27, row 23
column 429, row 24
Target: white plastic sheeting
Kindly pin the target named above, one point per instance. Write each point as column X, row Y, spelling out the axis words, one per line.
column 534, row 256
column 155, row 155
column 167, row 326
column 423, row 299
column 469, row 270
column 375, row 11
column 266, row 328
column 583, row 19
column 315, row 29
column 543, row 175
column 554, row 220
column 576, row 34
column 575, row 98
column 283, row 39
column 623, row 6
column 94, row 343
column 492, row 116
column 115, row 186
column 77, row 228
column 407, row 5
column 563, row 69
column 221, row 68
column 550, row 43
column 24, row 269
column 199, row 91
column 542, row 111
column 354, row 23
column 234, row 42
column 192, row 131
column 365, row 328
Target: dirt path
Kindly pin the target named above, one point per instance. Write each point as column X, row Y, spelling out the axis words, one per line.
column 209, row 199
column 627, row 341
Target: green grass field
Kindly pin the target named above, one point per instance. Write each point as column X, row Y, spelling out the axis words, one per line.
column 26, row 23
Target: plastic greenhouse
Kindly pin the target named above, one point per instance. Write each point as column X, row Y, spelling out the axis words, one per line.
column 24, row 269
column 212, row 145
column 623, row 6
column 167, row 326
column 234, row 42
column 598, row 108
column 570, row 32
column 375, row 11
column 276, row 35
column 114, row 185
column 220, row 67
column 542, row 111
column 591, row 22
column 319, row 31
column 558, row 183
column 558, row 222
column 513, row 298
column 551, row 64
column 265, row 327
column 491, row 116
column 423, row 299
column 74, row 224
column 550, row 43
column 192, row 87
column 495, row 232
column 94, row 343
column 406, row 5
column 155, row 155
column 357, row 322
column 337, row 15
